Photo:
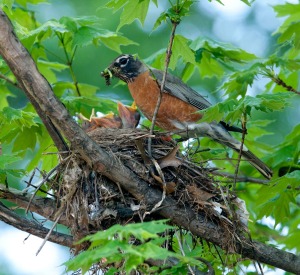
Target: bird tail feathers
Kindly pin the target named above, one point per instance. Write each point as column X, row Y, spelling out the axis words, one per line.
column 251, row 158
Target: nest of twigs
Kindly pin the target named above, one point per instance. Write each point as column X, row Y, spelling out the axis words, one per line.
column 92, row 202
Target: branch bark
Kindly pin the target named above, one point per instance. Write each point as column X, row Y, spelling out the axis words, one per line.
column 40, row 94
column 43, row 206
column 32, row 227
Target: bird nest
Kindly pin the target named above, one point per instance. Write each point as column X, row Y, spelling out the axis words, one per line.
column 92, row 202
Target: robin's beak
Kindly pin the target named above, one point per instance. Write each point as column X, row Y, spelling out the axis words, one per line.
column 129, row 115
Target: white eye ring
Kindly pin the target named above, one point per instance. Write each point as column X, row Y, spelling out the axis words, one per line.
column 123, row 61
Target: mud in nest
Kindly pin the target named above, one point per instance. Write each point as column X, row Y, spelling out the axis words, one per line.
column 92, row 202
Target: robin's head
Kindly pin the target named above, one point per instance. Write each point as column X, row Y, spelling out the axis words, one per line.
column 127, row 67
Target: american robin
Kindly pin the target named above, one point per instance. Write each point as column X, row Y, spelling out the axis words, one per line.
column 180, row 105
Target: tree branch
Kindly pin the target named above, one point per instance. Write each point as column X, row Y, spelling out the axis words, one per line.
column 32, row 227
column 6, row 31
column 39, row 91
column 43, row 206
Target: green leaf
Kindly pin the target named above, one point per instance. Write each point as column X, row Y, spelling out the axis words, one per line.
column 26, row 2
column 292, row 11
column 246, row 2
column 115, row 41
column 113, row 245
column 181, row 49
column 26, row 139
column 116, row 4
column 187, row 72
column 40, row 158
column 163, row 17
column 292, row 32
column 20, row 118
column 87, row 35
column 134, row 9
column 290, row 28
column 222, row 51
column 85, row 104
column 256, row 128
column 287, row 153
column 46, row 68
column 218, row 111
column 6, row 160
column 6, row 3
column 46, row 30
column 275, row 200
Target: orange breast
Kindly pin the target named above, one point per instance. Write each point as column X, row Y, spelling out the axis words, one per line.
column 145, row 92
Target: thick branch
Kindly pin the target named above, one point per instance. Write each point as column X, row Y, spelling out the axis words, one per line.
column 43, row 206
column 32, row 227
column 6, row 31
column 39, row 90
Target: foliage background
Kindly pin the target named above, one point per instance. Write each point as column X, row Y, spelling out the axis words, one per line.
column 250, row 28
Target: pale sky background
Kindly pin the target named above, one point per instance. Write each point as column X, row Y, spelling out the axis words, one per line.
column 20, row 253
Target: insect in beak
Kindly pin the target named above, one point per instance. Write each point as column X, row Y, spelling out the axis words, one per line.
column 107, row 76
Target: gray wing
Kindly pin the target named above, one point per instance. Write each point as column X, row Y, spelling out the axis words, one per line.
column 179, row 89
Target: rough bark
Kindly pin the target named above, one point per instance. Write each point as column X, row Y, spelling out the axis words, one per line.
column 47, row 106
column 32, row 227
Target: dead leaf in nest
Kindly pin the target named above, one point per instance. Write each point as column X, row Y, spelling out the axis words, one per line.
column 198, row 195
column 241, row 212
column 166, row 161
column 170, row 159
column 109, row 213
column 170, row 186
column 135, row 207
column 72, row 174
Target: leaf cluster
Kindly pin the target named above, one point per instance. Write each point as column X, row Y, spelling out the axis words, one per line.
column 127, row 248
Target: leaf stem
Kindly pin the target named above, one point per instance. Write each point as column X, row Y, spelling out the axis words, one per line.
column 10, row 81
column 280, row 82
column 244, row 128
column 275, row 78
column 70, row 62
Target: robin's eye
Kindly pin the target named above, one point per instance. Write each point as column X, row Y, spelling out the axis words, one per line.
column 123, row 61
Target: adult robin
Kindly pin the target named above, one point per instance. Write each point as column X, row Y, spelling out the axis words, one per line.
column 180, row 105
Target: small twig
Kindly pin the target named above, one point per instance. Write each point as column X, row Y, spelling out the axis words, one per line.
column 161, row 174
column 182, row 251
column 69, row 61
column 55, row 153
column 211, row 270
column 44, row 180
column 31, row 178
column 40, row 184
column 32, row 227
column 49, row 233
column 269, row 72
column 244, row 127
column 121, row 192
column 224, row 197
column 239, row 178
column 10, row 81
column 162, row 86
column 41, row 190
column 280, row 82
